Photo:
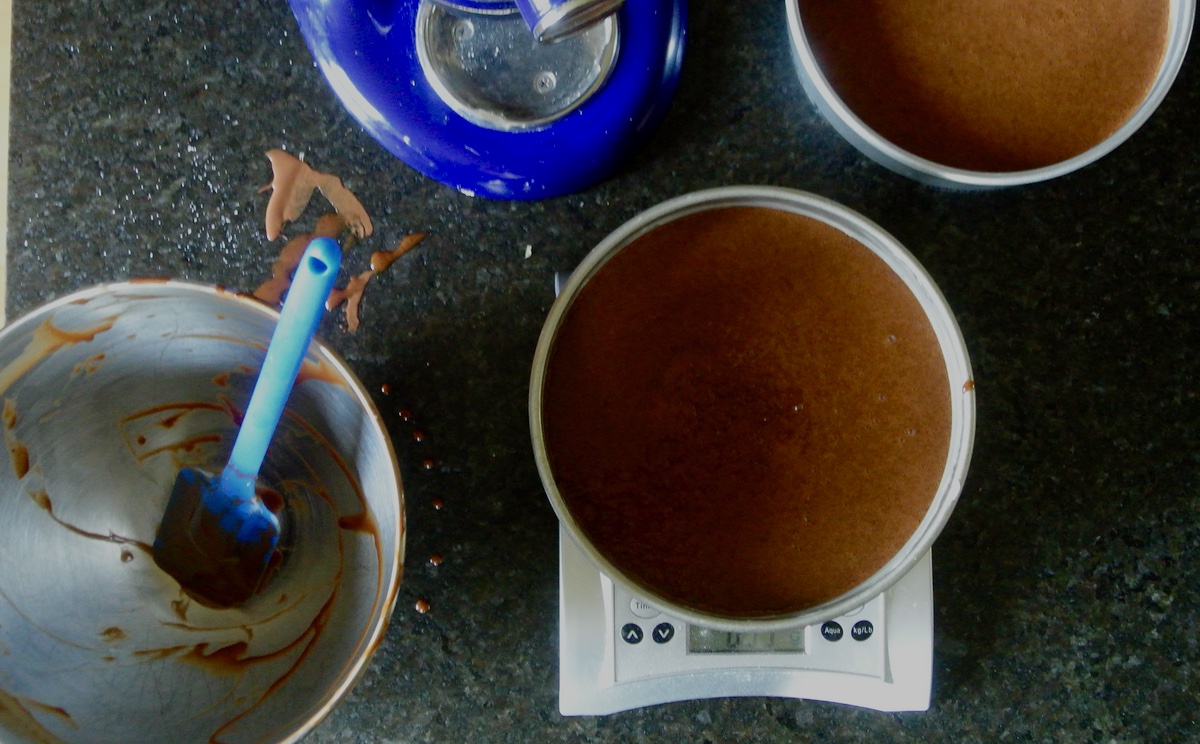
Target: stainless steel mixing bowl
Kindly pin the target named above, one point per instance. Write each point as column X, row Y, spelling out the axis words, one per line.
column 106, row 394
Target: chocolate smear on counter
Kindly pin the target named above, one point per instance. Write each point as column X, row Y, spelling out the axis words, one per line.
column 292, row 187
column 380, row 260
column 330, row 225
column 353, row 292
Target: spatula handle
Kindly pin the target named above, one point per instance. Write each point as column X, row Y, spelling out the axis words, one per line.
column 302, row 310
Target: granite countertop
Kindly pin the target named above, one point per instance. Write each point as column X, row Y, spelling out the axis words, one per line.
column 1067, row 588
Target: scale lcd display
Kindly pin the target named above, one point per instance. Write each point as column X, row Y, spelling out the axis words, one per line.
column 705, row 641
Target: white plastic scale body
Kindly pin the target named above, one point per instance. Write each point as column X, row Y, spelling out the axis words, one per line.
column 616, row 652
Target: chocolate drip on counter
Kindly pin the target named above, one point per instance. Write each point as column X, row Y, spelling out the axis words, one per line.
column 292, row 187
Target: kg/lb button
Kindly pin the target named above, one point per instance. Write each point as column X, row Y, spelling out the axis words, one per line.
column 632, row 633
column 663, row 633
column 832, row 632
column 862, row 630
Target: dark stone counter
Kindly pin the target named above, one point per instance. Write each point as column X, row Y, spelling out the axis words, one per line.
column 1067, row 593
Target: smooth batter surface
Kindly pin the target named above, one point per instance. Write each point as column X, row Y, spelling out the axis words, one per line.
column 747, row 411
column 990, row 85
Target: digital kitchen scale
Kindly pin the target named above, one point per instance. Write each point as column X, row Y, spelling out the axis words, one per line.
column 617, row 652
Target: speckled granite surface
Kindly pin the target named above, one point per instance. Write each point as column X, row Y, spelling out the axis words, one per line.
column 1066, row 582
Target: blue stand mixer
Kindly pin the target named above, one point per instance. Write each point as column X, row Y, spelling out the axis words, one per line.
column 508, row 100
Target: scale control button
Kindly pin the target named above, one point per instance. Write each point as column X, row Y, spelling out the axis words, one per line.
column 663, row 633
column 832, row 631
column 862, row 630
column 632, row 633
column 643, row 610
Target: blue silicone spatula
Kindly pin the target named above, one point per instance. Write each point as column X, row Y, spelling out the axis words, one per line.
column 216, row 535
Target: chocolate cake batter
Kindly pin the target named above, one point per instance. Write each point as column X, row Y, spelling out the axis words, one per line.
column 747, row 412
column 990, row 85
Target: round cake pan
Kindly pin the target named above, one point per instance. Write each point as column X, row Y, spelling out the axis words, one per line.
column 871, row 143
column 899, row 260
